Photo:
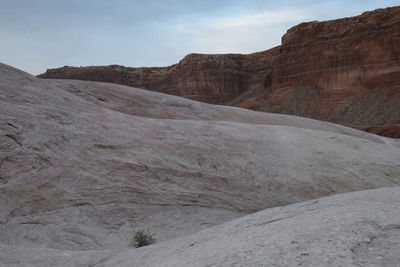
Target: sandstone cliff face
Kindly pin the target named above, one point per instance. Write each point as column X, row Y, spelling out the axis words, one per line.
column 325, row 67
column 208, row 78
column 346, row 71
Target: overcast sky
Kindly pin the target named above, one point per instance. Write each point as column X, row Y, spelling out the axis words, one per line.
column 40, row 34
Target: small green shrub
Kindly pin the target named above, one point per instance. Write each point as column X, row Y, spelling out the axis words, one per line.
column 143, row 238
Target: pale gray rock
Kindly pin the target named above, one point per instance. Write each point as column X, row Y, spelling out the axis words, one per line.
column 83, row 165
column 352, row 229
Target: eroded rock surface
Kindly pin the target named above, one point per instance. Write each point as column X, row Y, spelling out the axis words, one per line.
column 84, row 164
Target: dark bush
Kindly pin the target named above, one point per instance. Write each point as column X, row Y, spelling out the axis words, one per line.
column 143, row 238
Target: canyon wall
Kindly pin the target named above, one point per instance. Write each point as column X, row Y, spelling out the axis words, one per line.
column 214, row 79
column 345, row 71
column 336, row 70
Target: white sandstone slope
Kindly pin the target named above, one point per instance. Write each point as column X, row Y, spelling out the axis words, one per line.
column 352, row 229
column 84, row 164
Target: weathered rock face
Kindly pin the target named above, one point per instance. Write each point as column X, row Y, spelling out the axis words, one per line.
column 325, row 67
column 346, row 71
column 207, row 78
column 392, row 131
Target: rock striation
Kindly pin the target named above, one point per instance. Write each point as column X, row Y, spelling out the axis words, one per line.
column 345, row 71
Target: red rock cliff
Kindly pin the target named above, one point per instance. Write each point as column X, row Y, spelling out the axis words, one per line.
column 325, row 68
column 346, row 71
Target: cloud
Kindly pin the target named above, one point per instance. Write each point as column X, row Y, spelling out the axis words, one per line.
column 261, row 19
column 247, row 33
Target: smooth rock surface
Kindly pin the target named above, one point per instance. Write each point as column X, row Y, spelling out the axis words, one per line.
column 352, row 229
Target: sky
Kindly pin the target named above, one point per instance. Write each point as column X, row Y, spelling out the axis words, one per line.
column 40, row 34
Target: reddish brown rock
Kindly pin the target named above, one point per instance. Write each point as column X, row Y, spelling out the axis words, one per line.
column 208, row 78
column 346, row 71
column 325, row 67
column 392, row 131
